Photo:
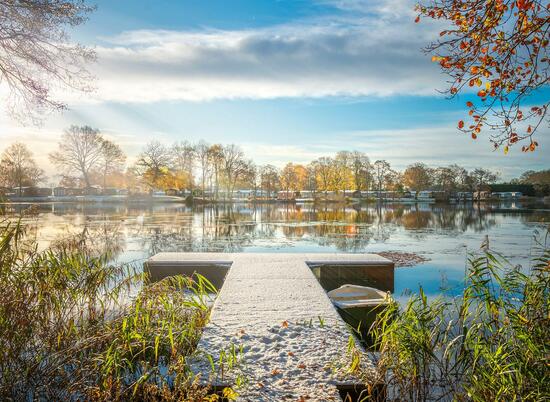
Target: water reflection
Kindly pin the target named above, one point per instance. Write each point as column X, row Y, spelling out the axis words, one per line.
column 224, row 228
column 333, row 276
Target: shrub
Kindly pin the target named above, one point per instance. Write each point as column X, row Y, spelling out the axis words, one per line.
column 70, row 330
column 492, row 343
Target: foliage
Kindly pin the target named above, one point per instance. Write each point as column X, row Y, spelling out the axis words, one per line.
column 79, row 152
column 69, row 328
column 86, row 158
column 37, row 55
column 500, row 48
column 540, row 180
column 153, row 164
column 418, row 177
column 18, row 168
column 293, row 177
column 112, row 160
column 490, row 344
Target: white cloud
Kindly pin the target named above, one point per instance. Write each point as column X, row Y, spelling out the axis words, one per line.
column 375, row 51
column 435, row 146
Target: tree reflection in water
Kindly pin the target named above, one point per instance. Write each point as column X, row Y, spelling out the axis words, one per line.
column 234, row 228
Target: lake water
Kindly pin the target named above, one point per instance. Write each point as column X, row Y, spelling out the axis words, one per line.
column 444, row 234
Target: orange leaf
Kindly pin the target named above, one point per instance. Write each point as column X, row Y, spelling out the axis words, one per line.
column 301, row 366
column 417, row 19
column 469, row 104
column 461, row 124
column 285, row 324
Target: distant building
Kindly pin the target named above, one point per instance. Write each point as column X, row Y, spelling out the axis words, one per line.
column 171, row 191
column 32, row 191
column 93, row 190
column 464, row 196
column 507, row 195
column 74, row 191
column 284, row 195
column 482, row 195
column 110, row 191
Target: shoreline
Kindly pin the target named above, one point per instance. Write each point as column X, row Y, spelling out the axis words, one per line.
column 186, row 200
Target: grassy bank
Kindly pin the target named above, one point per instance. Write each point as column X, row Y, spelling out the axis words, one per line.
column 69, row 328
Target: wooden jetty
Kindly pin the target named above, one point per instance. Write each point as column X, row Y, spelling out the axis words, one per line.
column 276, row 330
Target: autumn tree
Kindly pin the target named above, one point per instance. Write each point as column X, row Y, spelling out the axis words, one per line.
column 287, row 179
column 112, row 159
column 540, row 180
column 325, row 173
column 18, row 168
column 499, row 49
column 79, row 151
column 342, row 171
column 293, row 177
column 417, row 177
column 37, row 54
column 361, row 170
column 153, row 164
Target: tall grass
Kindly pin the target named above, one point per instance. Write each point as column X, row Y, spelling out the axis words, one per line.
column 70, row 331
column 490, row 344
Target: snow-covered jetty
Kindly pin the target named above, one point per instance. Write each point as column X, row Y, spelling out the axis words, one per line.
column 278, row 334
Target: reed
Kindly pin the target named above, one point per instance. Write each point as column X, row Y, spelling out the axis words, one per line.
column 70, row 329
column 490, row 344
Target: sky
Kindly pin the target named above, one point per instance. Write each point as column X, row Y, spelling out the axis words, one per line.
column 287, row 80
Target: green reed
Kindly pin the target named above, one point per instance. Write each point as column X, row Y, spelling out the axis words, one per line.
column 490, row 344
column 70, row 330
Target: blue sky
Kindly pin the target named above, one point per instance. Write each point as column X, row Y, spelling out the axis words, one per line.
column 286, row 80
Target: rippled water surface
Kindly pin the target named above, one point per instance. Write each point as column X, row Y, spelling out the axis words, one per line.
column 444, row 234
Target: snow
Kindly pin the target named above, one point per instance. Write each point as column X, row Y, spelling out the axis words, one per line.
column 273, row 314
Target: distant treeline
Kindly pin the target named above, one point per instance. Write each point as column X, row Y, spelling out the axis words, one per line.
column 85, row 158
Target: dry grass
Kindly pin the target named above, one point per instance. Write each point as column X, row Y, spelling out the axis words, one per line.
column 491, row 344
column 69, row 331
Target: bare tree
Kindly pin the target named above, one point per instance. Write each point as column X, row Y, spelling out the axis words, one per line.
column 483, row 177
column 183, row 157
column 234, row 166
column 215, row 156
column 381, row 170
column 112, row 159
column 79, row 151
column 202, row 156
column 18, row 168
column 36, row 54
column 269, row 177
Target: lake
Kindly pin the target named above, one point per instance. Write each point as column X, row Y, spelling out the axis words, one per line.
column 443, row 234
